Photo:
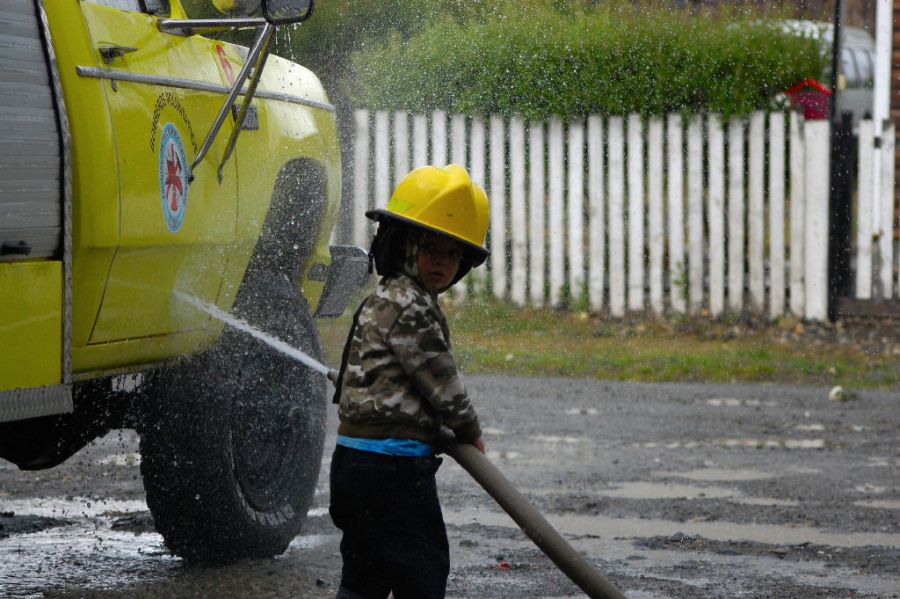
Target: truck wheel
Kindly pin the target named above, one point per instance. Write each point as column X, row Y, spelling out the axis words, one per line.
column 232, row 446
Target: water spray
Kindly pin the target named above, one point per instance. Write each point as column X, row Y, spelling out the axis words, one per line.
column 245, row 327
column 529, row 519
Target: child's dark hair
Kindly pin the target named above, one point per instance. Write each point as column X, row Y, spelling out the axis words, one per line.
column 389, row 247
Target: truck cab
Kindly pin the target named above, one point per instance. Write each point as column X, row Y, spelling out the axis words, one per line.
column 148, row 168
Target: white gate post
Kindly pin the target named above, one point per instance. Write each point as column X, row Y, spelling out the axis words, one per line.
column 886, row 235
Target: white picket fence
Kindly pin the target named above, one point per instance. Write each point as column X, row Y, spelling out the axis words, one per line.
column 623, row 214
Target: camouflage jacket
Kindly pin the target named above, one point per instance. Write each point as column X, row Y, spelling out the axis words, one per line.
column 400, row 380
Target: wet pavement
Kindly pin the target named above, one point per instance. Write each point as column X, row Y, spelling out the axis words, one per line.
column 670, row 490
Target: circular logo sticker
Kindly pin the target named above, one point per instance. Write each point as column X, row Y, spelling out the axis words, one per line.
column 173, row 177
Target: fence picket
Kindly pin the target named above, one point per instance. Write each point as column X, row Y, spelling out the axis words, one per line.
column 401, row 145
column 556, row 172
column 575, row 152
column 886, row 235
column 695, row 213
column 816, row 243
column 755, row 210
column 675, row 188
column 477, row 171
column 420, row 140
column 458, row 156
column 776, row 214
column 382, row 159
column 498, row 203
column 596, row 223
column 797, row 215
column 616, row 153
column 647, row 216
column 438, row 138
column 635, row 212
column 360, row 227
column 458, row 139
column 716, row 215
column 736, row 215
column 655, row 146
column 518, row 229
column 537, row 203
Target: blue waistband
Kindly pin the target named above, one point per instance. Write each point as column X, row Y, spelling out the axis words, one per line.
column 397, row 447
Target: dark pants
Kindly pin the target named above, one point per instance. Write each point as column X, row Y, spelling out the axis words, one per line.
column 394, row 535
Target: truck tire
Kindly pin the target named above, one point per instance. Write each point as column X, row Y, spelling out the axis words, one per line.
column 232, row 446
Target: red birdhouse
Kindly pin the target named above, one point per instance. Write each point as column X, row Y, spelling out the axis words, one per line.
column 812, row 98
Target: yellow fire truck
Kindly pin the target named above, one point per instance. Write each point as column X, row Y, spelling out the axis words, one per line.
column 145, row 163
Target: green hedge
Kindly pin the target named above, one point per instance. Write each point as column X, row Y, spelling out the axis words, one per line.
column 542, row 61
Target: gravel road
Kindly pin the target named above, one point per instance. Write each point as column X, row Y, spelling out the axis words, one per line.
column 683, row 491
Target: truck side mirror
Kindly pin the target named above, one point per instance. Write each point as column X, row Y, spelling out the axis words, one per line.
column 284, row 12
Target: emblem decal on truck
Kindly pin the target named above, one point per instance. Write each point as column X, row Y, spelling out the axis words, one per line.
column 170, row 99
column 173, row 177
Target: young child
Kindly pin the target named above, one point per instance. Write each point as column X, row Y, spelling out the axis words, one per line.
column 398, row 384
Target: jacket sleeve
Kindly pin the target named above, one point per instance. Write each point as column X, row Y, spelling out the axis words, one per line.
column 419, row 344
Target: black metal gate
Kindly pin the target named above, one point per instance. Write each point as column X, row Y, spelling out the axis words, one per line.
column 841, row 266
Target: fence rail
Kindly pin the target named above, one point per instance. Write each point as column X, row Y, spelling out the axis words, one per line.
column 624, row 214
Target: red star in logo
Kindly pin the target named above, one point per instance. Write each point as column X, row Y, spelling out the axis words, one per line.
column 174, row 187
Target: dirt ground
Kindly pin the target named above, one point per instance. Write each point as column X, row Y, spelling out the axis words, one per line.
column 681, row 491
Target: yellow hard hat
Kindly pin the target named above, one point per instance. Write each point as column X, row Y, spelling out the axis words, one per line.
column 444, row 200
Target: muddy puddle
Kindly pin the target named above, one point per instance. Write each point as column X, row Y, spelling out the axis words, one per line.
column 112, row 550
column 681, row 552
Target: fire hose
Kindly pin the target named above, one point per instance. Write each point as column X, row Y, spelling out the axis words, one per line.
column 531, row 521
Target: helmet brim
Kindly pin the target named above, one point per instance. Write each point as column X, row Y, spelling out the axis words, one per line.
column 380, row 214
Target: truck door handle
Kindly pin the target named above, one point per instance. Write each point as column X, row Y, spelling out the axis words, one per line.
column 110, row 52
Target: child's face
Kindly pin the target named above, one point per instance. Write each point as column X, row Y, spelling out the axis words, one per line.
column 439, row 258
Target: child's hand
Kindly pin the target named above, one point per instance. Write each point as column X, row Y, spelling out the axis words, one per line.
column 479, row 444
